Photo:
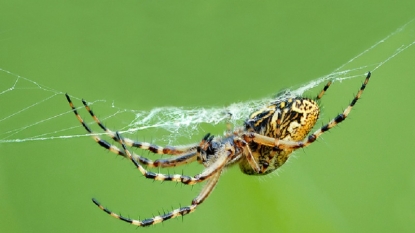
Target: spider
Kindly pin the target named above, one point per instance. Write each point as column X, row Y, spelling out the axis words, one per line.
column 259, row 147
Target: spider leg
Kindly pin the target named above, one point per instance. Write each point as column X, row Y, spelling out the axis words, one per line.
column 185, row 157
column 248, row 154
column 222, row 158
column 283, row 144
column 169, row 150
column 229, row 126
column 207, row 189
column 324, row 90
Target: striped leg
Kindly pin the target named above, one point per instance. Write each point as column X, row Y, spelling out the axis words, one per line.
column 185, row 157
column 248, row 154
column 207, row 189
column 324, row 90
column 282, row 144
column 216, row 166
column 169, row 150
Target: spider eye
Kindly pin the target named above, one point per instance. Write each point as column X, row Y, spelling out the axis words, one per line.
column 212, row 148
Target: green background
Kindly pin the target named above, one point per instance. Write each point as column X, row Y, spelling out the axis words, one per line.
column 144, row 54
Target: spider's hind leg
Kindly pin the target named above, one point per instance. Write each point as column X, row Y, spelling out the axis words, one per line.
column 322, row 92
column 284, row 144
column 334, row 122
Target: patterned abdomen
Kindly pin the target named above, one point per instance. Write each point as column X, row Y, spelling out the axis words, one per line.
column 289, row 120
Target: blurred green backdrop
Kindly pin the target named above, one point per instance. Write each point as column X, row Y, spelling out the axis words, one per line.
column 139, row 55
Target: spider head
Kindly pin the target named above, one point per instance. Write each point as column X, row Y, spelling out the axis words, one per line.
column 214, row 148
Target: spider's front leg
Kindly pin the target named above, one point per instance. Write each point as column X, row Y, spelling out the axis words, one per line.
column 207, row 189
column 167, row 150
column 215, row 169
column 185, row 154
column 225, row 154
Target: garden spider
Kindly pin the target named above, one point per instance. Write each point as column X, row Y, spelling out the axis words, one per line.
column 261, row 146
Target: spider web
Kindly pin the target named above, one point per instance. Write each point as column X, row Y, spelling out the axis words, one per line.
column 176, row 121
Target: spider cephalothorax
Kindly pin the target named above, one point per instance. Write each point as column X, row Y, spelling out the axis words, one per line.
column 261, row 146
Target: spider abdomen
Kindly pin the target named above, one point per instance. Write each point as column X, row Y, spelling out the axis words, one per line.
column 290, row 120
